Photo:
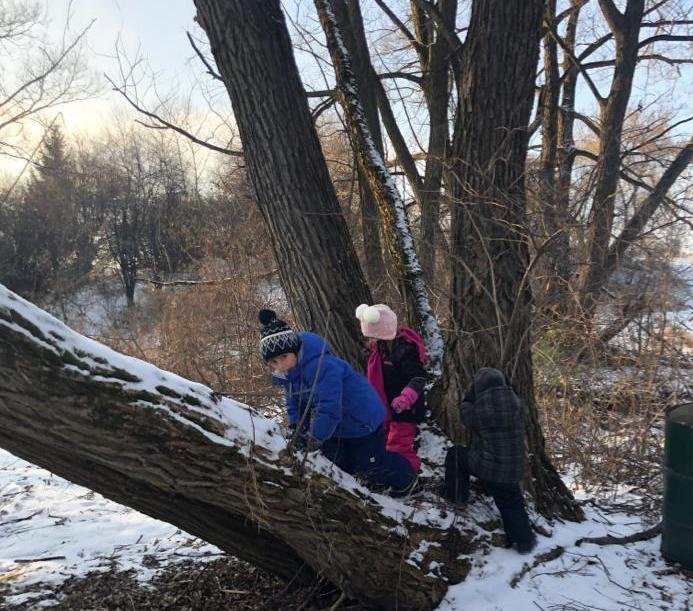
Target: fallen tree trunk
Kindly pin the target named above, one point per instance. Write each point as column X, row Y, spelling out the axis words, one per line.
column 172, row 449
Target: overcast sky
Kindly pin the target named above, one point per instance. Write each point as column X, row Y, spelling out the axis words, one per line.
column 156, row 30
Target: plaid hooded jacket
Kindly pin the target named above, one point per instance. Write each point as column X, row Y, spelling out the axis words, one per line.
column 493, row 415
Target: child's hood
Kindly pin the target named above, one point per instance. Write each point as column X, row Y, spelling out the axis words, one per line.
column 487, row 378
column 313, row 346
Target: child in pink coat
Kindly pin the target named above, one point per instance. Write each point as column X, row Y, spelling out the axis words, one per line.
column 396, row 358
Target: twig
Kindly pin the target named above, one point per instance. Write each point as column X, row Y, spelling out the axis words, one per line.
column 644, row 535
column 169, row 125
column 340, row 600
column 211, row 71
column 552, row 554
column 46, row 559
column 21, row 519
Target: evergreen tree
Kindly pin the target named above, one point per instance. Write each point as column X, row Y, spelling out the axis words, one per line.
column 51, row 224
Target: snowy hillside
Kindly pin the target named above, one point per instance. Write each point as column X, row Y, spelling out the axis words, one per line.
column 52, row 530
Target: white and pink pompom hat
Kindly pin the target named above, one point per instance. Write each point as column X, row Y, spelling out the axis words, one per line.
column 377, row 321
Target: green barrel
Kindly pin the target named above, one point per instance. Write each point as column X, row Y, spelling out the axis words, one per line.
column 677, row 519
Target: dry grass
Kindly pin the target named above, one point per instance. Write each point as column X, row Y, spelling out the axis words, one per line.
column 604, row 426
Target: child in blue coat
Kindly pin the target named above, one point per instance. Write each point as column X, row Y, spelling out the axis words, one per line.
column 332, row 407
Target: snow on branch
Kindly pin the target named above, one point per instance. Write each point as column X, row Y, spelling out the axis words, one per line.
column 390, row 202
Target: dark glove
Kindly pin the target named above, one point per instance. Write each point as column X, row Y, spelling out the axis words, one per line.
column 308, row 443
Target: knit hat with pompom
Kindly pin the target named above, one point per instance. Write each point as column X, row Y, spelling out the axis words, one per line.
column 377, row 321
column 277, row 337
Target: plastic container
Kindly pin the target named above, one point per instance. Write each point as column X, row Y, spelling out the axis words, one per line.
column 677, row 518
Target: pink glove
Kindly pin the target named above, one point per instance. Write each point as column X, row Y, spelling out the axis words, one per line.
column 406, row 399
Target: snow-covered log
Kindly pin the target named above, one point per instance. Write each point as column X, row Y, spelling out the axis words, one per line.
column 172, row 449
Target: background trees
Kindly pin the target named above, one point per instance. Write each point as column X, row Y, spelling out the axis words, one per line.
column 50, row 222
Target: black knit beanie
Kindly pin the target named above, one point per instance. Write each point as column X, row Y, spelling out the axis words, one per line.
column 277, row 337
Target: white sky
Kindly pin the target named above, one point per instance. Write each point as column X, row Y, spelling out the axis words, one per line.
column 155, row 29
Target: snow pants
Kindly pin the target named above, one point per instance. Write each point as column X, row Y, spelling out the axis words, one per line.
column 400, row 439
column 366, row 456
column 508, row 497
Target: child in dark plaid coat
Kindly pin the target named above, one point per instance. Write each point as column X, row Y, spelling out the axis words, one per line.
column 493, row 416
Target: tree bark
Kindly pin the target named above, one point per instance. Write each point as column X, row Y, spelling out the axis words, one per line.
column 355, row 40
column 216, row 468
column 393, row 214
column 318, row 267
column 626, row 30
column 490, row 297
column 435, row 64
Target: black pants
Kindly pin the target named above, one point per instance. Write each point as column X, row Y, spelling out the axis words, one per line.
column 508, row 497
column 367, row 456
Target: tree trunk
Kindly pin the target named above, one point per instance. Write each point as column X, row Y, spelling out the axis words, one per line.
column 213, row 467
column 626, row 30
column 318, row 267
column 435, row 65
column 392, row 211
column 562, row 264
column 554, row 281
column 490, row 301
column 358, row 49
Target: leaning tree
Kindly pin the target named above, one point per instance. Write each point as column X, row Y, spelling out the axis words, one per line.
column 174, row 450
column 316, row 259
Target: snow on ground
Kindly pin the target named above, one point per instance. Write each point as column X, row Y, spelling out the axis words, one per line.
column 589, row 576
column 97, row 305
column 44, row 516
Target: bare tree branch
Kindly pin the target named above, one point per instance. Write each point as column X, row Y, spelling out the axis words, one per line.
column 664, row 38
column 637, row 222
column 659, row 24
column 213, row 73
column 595, row 46
column 650, row 533
column 403, row 75
column 598, row 96
column 320, row 93
column 657, row 136
column 168, row 125
column 326, row 104
column 651, row 56
column 400, row 26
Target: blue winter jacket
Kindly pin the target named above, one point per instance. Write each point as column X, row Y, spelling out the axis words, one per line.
column 341, row 401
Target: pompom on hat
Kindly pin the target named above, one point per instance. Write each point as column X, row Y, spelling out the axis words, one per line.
column 277, row 337
column 377, row 321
